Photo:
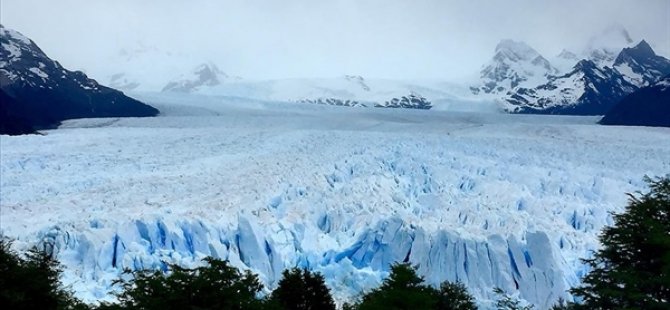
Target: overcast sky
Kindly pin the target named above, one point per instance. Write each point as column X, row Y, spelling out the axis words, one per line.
column 308, row 38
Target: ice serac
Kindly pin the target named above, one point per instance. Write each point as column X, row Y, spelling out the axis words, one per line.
column 468, row 197
column 43, row 93
column 493, row 261
column 514, row 64
column 527, row 266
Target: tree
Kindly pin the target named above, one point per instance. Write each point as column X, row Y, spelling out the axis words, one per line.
column 300, row 289
column 632, row 269
column 32, row 282
column 402, row 290
column 563, row 305
column 507, row 302
column 215, row 286
column 454, row 296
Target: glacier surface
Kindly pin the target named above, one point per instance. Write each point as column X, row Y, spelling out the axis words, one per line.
column 491, row 200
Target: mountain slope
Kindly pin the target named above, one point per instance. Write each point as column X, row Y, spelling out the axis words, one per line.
column 640, row 65
column 10, row 123
column 204, row 75
column 514, row 64
column 586, row 90
column 649, row 106
column 604, row 47
column 43, row 93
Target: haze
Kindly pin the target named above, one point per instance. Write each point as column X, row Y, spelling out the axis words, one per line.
column 293, row 38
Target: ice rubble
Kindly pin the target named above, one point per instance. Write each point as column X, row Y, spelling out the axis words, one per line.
column 511, row 201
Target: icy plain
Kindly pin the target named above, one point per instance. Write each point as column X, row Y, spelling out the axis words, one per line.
column 491, row 200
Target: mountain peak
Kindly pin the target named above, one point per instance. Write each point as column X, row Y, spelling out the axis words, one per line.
column 585, row 64
column 640, row 64
column 515, row 50
column 565, row 54
column 642, row 49
column 10, row 34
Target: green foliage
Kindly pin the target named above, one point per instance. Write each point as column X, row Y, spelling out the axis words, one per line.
column 302, row 290
column 215, row 286
column 32, row 282
column 404, row 289
column 455, row 296
column 563, row 305
column 507, row 302
column 632, row 269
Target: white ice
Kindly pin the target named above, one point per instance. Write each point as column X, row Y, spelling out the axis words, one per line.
column 488, row 199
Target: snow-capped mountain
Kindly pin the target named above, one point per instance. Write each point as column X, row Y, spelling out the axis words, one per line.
column 604, row 47
column 44, row 93
column 411, row 101
column 515, row 64
column 565, row 60
column 591, row 89
column 640, row 65
column 648, row 106
column 204, row 75
column 335, row 102
column 342, row 91
column 147, row 68
column 586, row 90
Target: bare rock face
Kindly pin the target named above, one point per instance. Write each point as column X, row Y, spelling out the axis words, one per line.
column 39, row 93
column 648, row 106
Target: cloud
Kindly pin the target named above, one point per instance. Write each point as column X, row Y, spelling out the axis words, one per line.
column 301, row 38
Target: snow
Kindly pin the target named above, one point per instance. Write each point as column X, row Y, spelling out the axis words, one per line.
column 663, row 84
column 13, row 50
column 488, row 199
column 631, row 76
column 14, row 35
column 38, row 72
column 515, row 62
column 604, row 47
column 565, row 61
column 10, row 75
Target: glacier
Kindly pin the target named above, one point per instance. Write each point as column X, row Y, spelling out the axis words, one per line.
column 491, row 200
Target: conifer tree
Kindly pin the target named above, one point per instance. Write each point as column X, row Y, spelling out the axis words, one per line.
column 301, row 289
column 632, row 269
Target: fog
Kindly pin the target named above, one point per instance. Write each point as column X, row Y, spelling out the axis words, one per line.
column 301, row 38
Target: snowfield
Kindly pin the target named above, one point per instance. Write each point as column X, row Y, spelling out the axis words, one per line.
column 487, row 199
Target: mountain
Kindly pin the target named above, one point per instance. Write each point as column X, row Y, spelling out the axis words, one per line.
column 514, row 64
column 411, row 101
column 586, row 90
column 590, row 89
column 10, row 123
column 204, row 75
column 39, row 92
column 604, row 47
column 648, row 106
column 640, row 65
column 335, row 102
column 565, row 60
